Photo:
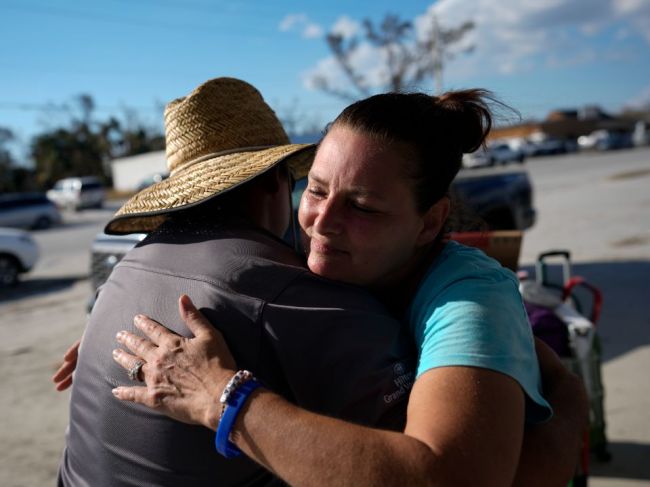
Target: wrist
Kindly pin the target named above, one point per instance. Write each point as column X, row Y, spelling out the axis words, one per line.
column 214, row 409
column 233, row 399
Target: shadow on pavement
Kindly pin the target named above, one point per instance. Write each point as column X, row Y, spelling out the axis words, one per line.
column 629, row 461
column 34, row 287
column 625, row 321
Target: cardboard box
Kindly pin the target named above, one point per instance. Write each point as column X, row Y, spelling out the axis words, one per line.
column 502, row 245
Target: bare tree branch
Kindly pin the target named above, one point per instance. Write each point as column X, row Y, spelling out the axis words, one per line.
column 407, row 60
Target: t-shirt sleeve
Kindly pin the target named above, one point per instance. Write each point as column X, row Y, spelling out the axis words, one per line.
column 341, row 353
column 480, row 321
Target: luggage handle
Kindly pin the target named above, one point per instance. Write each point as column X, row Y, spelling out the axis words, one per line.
column 554, row 253
column 596, row 293
column 540, row 266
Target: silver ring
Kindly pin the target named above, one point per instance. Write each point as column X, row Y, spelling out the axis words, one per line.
column 134, row 371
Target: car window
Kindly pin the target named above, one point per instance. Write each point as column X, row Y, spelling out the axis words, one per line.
column 90, row 186
column 21, row 201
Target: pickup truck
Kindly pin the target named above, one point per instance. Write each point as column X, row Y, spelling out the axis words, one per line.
column 501, row 198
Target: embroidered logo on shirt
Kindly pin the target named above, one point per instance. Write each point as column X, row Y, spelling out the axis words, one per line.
column 403, row 380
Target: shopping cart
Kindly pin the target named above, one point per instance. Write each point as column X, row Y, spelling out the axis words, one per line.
column 557, row 310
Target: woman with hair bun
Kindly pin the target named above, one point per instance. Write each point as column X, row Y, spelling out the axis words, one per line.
column 373, row 214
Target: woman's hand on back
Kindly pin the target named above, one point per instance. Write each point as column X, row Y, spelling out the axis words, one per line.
column 62, row 378
column 184, row 376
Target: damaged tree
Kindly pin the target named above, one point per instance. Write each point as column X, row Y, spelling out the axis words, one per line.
column 407, row 58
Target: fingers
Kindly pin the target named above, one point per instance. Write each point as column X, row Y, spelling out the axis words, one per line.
column 154, row 330
column 132, row 394
column 193, row 318
column 72, row 352
column 63, row 376
column 137, row 344
column 64, row 384
column 127, row 361
column 64, row 371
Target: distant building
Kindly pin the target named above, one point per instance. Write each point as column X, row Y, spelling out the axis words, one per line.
column 129, row 172
column 566, row 124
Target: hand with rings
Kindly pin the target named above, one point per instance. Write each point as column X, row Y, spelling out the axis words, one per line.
column 183, row 377
column 134, row 372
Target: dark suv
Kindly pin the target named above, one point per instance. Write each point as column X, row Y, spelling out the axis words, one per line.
column 27, row 210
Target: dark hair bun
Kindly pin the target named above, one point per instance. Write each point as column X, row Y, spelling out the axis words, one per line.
column 469, row 111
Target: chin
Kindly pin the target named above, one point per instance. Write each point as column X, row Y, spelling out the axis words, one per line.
column 324, row 269
column 336, row 273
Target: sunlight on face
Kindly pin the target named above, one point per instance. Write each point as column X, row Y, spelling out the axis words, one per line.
column 358, row 211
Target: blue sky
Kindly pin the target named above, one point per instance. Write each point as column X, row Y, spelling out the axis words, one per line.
column 536, row 55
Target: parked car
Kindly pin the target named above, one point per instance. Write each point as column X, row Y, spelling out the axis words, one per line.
column 18, row 254
column 108, row 250
column 605, row 140
column 153, row 179
column 547, row 147
column 28, row 210
column 78, row 193
column 641, row 133
column 495, row 154
column 502, row 198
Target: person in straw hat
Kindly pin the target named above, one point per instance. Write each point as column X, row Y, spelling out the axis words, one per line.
column 214, row 231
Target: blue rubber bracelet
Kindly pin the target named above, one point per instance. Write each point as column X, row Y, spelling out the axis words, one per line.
column 236, row 401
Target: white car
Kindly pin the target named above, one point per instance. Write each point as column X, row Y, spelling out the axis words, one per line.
column 18, row 254
column 494, row 154
column 28, row 210
column 78, row 193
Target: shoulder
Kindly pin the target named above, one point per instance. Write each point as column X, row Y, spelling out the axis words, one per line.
column 310, row 290
column 467, row 274
column 468, row 306
column 458, row 261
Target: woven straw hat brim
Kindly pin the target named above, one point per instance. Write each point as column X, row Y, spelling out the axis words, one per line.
column 197, row 183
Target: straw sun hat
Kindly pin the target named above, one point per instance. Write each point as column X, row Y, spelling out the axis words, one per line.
column 221, row 135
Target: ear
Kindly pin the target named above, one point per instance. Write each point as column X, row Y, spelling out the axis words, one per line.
column 270, row 180
column 433, row 221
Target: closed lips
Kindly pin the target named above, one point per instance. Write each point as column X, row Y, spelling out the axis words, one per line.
column 324, row 248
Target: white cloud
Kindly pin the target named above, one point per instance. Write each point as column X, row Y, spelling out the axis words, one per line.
column 346, row 27
column 630, row 6
column 368, row 59
column 640, row 100
column 301, row 22
column 514, row 36
column 290, row 20
column 312, row 31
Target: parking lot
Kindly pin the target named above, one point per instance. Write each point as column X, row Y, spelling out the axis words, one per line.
column 595, row 205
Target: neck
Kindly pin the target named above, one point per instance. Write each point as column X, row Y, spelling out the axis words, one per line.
column 398, row 292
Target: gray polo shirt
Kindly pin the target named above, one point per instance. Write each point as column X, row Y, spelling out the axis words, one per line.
column 327, row 347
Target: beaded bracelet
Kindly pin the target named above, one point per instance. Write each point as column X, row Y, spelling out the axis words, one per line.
column 234, row 396
column 235, row 381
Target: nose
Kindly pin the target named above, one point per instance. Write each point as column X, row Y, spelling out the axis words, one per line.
column 329, row 218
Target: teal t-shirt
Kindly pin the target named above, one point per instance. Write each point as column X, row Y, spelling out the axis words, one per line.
column 468, row 312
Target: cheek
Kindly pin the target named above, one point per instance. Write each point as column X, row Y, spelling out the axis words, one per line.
column 381, row 245
column 305, row 213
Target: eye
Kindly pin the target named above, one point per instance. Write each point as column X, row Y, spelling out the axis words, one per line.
column 364, row 209
column 316, row 191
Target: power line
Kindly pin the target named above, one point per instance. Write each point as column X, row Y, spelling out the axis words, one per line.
column 64, row 107
column 170, row 27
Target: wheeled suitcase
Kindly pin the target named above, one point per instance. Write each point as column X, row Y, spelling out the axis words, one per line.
column 556, row 310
